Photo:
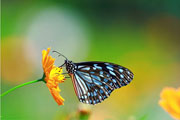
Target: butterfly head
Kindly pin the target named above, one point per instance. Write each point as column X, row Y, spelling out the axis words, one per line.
column 70, row 66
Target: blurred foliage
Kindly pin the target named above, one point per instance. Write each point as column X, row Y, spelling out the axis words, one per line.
column 144, row 117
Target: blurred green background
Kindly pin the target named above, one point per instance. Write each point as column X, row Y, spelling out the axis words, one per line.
column 142, row 35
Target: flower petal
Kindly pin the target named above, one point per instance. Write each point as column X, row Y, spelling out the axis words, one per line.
column 170, row 101
column 56, row 96
column 53, row 76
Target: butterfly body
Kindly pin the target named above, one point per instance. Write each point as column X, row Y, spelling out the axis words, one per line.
column 94, row 81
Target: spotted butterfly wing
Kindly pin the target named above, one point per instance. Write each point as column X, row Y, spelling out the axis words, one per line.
column 94, row 81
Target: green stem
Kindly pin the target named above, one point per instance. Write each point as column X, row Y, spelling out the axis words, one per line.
column 18, row 86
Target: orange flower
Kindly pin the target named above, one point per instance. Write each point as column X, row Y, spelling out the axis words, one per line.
column 52, row 76
column 170, row 101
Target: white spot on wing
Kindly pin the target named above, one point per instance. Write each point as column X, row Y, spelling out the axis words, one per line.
column 106, row 63
column 94, row 68
column 120, row 70
column 80, row 66
column 114, row 80
column 122, row 76
column 110, row 68
column 85, row 76
column 98, row 67
column 112, row 73
column 86, row 68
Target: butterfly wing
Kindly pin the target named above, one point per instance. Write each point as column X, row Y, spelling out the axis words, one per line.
column 94, row 81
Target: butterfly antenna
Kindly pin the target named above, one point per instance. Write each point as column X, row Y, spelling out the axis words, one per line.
column 60, row 54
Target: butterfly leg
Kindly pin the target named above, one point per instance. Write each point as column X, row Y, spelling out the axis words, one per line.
column 64, row 73
column 63, row 65
column 67, row 77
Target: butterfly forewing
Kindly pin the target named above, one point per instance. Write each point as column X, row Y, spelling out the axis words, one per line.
column 94, row 81
column 119, row 75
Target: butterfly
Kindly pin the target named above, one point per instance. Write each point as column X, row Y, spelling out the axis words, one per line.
column 94, row 81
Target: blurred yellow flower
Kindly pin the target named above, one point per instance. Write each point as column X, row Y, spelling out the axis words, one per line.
column 52, row 76
column 170, row 101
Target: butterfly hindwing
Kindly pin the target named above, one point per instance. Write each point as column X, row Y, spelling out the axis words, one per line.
column 94, row 81
column 97, row 88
